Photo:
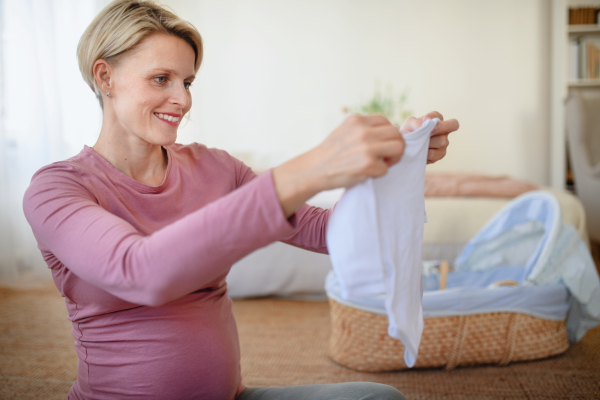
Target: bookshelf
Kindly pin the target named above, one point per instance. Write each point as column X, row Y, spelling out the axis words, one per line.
column 579, row 29
column 584, row 83
column 561, row 34
column 582, row 33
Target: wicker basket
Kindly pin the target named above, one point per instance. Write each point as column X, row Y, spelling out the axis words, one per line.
column 359, row 340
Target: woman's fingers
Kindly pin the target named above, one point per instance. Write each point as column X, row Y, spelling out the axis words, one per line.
column 434, row 155
column 373, row 120
column 439, row 141
column 431, row 115
column 390, row 151
column 362, row 147
column 438, row 146
column 411, row 124
column 448, row 126
column 383, row 133
column 385, row 143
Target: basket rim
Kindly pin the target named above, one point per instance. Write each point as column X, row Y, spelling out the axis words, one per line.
column 446, row 314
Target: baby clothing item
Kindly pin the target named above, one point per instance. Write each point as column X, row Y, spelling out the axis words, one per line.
column 375, row 235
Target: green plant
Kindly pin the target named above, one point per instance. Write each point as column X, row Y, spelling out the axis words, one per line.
column 385, row 103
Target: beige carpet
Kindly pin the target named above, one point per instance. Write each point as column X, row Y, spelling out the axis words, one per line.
column 283, row 343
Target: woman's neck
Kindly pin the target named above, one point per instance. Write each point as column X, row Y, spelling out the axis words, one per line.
column 142, row 161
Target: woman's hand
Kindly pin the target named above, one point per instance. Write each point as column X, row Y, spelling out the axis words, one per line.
column 438, row 143
column 361, row 147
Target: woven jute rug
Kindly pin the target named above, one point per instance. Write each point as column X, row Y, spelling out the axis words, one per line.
column 283, row 342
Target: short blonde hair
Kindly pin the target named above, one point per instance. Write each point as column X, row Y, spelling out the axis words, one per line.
column 124, row 24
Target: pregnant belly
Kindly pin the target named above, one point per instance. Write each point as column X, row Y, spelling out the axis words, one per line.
column 187, row 349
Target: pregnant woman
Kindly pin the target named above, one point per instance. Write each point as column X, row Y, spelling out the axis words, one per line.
column 140, row 232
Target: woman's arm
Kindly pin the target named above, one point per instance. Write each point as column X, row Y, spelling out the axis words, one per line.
column 310, row 222
column 187, row 255
column 311, row 229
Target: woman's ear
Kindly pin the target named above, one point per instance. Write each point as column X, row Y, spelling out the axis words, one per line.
column 102, row 73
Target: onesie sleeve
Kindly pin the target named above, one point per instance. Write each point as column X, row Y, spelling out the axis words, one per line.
column 108, row 252
column 310, row 222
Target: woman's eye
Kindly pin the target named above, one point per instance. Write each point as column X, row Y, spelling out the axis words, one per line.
column 187, row 85
column 160, row 79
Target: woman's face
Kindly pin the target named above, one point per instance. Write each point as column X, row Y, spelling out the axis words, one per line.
column 150, row 89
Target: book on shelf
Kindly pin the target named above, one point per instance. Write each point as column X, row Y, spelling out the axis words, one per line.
column 583, row 15
column 584, row 59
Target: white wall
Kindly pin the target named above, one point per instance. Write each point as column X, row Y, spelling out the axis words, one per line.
column 277, row 74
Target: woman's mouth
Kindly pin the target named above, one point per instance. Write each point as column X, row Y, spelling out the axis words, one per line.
column 169, row 119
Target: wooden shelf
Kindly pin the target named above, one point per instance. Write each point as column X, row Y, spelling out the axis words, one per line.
column 560, row 35
column 585, row 83
column 587, row 29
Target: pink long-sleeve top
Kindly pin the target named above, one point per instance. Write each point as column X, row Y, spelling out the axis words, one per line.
column 142, row 268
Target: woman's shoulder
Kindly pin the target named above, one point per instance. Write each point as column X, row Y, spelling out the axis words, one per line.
column 60, row 179
column 64, row 169
column 83, row 168
column 196, row 155
column 200, row 153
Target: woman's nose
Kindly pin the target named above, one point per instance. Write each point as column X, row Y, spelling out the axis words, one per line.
column 181, row 96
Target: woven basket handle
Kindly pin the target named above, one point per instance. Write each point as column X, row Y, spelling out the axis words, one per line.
column 454, row 358
column 511, row 336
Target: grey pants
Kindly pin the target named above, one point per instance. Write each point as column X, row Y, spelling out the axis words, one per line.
column 333, row 391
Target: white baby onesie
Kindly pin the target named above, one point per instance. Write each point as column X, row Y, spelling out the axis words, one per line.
column 375, row 236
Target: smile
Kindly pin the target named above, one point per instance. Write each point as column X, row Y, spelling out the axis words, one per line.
column 172, row 120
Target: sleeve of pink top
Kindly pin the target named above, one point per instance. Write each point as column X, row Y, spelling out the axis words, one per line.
column 108, row 252
column 310, row 222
